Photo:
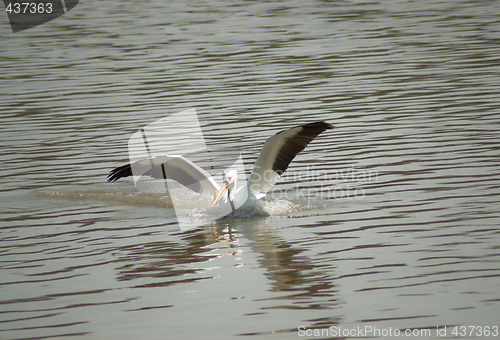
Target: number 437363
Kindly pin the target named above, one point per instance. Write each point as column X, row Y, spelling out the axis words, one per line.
column 29, row 8
column 469, row 331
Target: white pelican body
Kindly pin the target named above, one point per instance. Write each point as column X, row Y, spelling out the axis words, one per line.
column 274, row 158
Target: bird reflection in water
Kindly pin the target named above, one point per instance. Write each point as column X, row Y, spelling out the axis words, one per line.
column 287, row 269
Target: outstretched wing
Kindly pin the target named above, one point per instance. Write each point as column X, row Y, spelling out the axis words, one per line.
column 175, row 167
column 277, row 153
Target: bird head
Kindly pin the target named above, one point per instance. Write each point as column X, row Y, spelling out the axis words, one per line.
column 229, row 182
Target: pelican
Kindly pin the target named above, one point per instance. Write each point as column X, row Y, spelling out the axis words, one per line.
column 274, row 158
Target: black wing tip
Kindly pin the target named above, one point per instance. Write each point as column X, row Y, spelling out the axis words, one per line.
column 321, row 125
column 112, row 176
column 304, row 134
column 122, row 171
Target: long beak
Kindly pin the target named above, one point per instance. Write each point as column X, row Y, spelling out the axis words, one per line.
column 219, row 194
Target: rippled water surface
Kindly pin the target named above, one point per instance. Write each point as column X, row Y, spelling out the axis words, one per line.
column 391, row 220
